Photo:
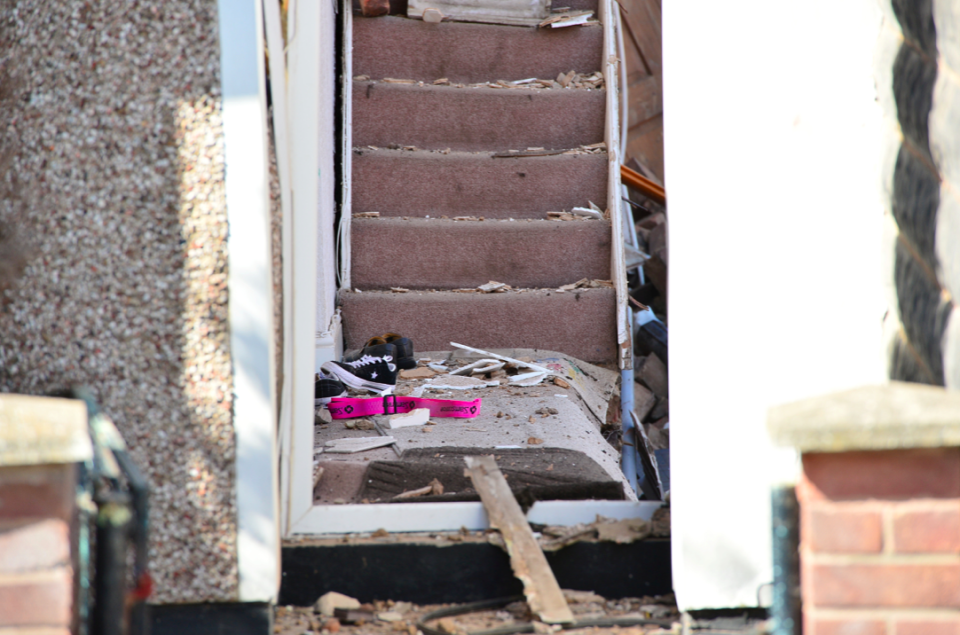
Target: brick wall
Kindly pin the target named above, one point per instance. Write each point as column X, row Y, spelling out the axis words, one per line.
column 880, row 542
column 36, row 577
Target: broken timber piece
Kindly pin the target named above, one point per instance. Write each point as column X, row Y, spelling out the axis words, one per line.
column 572, row 18
column 490, row 11
column 526, row 558
column 642, row 184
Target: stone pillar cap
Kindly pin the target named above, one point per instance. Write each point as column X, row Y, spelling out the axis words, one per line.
column 889, row 416
column 43, row 430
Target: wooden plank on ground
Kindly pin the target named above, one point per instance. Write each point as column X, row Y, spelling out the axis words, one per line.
column 526, row 558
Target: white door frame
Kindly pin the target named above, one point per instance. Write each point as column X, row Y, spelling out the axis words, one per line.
column 312, row 290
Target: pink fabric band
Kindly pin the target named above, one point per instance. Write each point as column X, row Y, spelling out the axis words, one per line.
column 347, row 408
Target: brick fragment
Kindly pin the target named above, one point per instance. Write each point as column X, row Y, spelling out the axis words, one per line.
column 881, row 475
column 34, row 546
column 934, row 529
column 837, row 529
column 887, row 585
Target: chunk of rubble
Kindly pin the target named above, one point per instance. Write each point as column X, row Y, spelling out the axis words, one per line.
column 459, row 382
column 494, row 287
column 418, row 373
column 479, row 368
column 331, row 601
column 417, row 417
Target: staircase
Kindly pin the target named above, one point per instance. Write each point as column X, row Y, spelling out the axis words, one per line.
column 423, row 155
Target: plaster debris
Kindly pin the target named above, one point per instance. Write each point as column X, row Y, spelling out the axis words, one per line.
column 418, row 373
column 416, row 417
column 479, row 368
column 458, row 382
column 351, row 445
column 331, row 601
column 572, row 18
column 494, row 287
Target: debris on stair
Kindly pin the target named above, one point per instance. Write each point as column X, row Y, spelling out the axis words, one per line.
column 649, row 615
column 435, row 488
column 417, row 417
column 352, row 445
column 622, row 531
column 568, row 18
column 506, row 12
column 569, row 80
column 494, row 287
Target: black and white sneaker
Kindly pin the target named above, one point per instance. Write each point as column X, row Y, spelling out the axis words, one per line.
column 376, row 346
column 326, row 387
column 375, row 373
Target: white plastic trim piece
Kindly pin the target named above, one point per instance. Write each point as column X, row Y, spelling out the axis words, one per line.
column 251, row 298
column 305, row 56
column 281, row 131
column 409, row 517
column 618, row 264
column 346, row 214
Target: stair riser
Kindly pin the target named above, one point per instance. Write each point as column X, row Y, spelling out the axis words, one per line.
column 400, row 183
column 469, row 53
column 438, row 254
column 475, row 119
column 581, row 323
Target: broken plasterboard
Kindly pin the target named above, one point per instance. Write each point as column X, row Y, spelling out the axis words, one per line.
column 356, row 444
column 512, row 12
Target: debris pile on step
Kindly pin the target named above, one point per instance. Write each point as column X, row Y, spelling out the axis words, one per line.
column 543, row 414
column 570, row 79
column 393, row 617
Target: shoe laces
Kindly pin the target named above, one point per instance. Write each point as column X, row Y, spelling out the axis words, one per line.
column 369, row 359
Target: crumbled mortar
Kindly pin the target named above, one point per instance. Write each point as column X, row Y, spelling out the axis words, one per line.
column 115, row 154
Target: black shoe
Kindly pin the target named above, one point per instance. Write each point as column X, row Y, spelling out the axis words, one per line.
column 375, row 347
column 326, row 387
column 372, row 372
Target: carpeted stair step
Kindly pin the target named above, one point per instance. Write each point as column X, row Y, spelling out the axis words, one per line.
column 425, row 183
column 447, row 254
column 466, row 52
column 475, row 119
column 579, row 323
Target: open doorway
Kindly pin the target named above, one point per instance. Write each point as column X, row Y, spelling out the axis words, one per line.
column 560, row 150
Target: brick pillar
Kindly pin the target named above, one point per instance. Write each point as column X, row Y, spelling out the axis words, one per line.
column 880, row 542
column 36, row 577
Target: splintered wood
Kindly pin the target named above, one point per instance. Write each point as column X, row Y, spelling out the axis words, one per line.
column 526, row 558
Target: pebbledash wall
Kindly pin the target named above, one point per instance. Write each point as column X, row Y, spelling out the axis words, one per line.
column 112, row 157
